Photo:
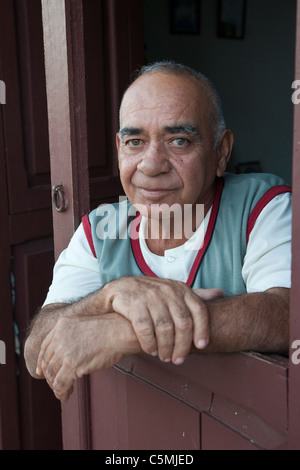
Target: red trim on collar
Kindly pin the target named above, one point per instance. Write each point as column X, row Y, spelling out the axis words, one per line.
column 88, row 233
column 136, row 248
column 208, row 233
column 261, row 204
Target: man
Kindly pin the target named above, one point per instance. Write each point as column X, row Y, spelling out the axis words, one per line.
column 153, row 287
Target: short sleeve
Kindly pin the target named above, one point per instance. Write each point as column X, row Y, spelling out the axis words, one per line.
column 267, row 262
column 76, row 272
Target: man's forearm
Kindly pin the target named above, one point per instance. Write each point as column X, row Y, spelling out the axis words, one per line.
column 46, row 319
column 83, row 344
column 258, row 321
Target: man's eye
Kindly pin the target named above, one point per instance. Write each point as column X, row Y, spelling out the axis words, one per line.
column 134, row 142
column 180, row 141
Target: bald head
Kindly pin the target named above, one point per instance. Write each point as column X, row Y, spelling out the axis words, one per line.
column 214, row 117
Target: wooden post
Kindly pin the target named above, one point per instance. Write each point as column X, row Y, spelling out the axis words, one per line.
column 294, row 369
column 65, row 79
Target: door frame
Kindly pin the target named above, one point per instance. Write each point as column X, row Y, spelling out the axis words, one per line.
column 64, row 54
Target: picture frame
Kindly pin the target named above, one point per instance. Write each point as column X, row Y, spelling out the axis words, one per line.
column 231, row 19
column 185, row 16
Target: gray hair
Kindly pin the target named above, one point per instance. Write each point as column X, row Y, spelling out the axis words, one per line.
column 170, row 67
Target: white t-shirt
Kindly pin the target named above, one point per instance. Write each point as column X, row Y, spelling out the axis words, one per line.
column 267, row 262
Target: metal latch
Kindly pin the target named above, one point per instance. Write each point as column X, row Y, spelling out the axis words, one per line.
column 58, row 198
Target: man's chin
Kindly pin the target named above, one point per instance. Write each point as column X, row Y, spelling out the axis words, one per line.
column 159, row 211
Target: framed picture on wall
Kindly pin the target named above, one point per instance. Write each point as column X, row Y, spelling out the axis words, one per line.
column 231, row 19
column 185, row 16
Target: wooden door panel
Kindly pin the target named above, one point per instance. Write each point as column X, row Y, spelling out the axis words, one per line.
column 109, row 63
column 216, row 436
column 130, row 403
column 97, row 79
column 128, row 413
column 25, row 112
column 109, row 428
column 239, row 378
column 9, row 425
column 159, row 421
column 248, row 394
column 40, row 411
column 30, row 416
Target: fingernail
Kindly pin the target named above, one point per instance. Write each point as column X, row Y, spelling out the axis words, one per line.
column 179, row 360
column 167, row 360
column 202, row 343
column 154, row 353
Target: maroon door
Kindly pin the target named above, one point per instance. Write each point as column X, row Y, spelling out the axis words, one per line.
column 217, row 401
column 29, row 416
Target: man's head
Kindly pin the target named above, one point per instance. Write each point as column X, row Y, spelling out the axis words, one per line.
column 216, row 118
column 172, row 141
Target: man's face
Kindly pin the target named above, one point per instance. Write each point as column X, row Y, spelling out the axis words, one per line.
column 165, row 144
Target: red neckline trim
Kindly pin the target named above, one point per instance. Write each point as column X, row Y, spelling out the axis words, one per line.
column 136, row 248
column 208, row 233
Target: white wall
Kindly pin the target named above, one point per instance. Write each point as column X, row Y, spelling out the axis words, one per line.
column 253, row 75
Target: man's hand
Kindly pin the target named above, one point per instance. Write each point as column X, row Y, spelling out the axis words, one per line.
column 81, row 345
column 167, row 316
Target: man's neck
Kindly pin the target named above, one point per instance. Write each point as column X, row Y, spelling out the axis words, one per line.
column 165, row 234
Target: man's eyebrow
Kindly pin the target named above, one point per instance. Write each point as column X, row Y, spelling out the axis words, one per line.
column 128, row 131
column 184, row 128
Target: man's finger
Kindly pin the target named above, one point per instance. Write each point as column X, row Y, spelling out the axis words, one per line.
column 165, row 334
column 209, row 294
column 183, row 331
column 64, row 396
column 200, row 317
column 144, row 330
column 44, row 347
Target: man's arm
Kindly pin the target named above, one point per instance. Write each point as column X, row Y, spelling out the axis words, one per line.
column 47, row 318
column 174, row 304
column 67, row 341
column 81, row 341
column 257, row 321
column 81, row 345
column 40, row 326
column 165, row 315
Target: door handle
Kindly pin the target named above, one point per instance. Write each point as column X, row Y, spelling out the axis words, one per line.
column 58, row 198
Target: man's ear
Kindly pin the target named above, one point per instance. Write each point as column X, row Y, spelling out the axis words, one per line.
column 224, row 150
column 118, row 141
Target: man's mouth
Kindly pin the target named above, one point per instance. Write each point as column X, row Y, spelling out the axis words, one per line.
column 155, row 193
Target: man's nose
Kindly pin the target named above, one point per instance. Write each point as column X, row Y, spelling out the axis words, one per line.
column 154, row 160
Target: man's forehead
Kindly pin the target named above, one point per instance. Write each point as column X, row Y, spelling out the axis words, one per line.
column 162, row 87
column 166, row 96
